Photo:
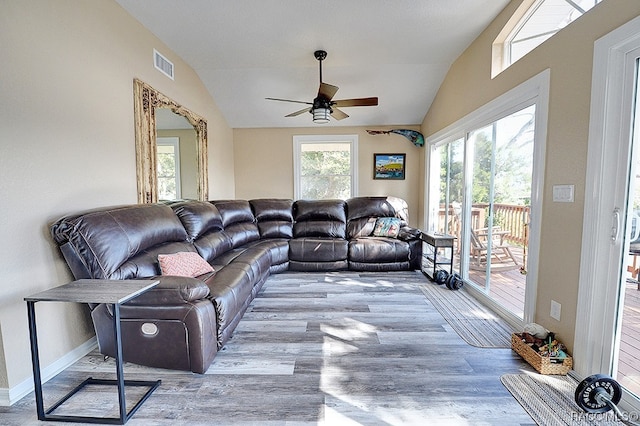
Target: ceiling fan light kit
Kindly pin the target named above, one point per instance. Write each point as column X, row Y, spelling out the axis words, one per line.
column 323, row 106
column 321, row 115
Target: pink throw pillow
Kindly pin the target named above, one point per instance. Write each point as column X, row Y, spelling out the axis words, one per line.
column 183, row 264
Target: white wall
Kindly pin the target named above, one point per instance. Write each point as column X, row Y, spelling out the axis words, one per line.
column 67, row 144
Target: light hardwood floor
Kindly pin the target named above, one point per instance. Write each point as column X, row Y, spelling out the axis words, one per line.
column 335, row 349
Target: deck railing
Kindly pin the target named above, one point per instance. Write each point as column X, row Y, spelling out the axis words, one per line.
column 509, row 217
column 512, row 218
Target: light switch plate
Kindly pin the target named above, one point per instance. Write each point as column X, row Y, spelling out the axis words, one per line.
column 563, row 193
column 556, row 308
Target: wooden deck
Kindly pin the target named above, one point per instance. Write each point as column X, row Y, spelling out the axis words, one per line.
column 508, row 288
column 629, row 362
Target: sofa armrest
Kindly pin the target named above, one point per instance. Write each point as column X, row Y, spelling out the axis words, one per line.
column 172, row 290
column 408, row 233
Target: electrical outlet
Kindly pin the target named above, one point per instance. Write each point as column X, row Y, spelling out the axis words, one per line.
column 555, row 310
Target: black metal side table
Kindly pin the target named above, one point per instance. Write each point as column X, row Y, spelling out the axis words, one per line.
column 115, row 293
column 437, row 251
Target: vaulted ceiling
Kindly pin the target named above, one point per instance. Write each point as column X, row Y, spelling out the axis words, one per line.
column 247, row 50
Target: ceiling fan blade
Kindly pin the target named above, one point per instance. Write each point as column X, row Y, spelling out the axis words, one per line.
column 327, row 90
column 356, row 102
column 294, row 114
column 338, row 114
column 289, row 100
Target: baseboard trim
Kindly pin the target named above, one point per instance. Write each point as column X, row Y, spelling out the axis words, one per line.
column 9, row 396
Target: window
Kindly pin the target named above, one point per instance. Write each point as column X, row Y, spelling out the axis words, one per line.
column 533, row 23
column 168, row 161
column 325, row 167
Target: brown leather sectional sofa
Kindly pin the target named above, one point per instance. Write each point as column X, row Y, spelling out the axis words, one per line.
column 184, row 321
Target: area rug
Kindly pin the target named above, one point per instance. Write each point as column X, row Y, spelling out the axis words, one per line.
column 549, row 400
column 472, row 321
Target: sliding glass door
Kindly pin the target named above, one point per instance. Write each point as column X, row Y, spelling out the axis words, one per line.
column 481, row 189
column 500, row 203
column 626, row 340
column 607, row 321
column 450, row 156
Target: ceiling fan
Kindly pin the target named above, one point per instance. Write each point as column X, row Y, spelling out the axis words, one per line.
column 323, row 106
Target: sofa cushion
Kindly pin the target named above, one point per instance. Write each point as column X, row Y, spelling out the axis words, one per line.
column 183, row 264
column 275, row 229
column 108, row 237
column 234, row 211
column 361, row 227
column 272, row 209
column 213, row 245
column 319, row 228
column 242, row 233
column 274, row 217
column 319, row 210
column 361, row 210
column 198, row 217
column 379, row 250
column 279, row 249
column 377, row 207
column 318, row 249
column 145, row 263
column 319, row 218
column 238, row 221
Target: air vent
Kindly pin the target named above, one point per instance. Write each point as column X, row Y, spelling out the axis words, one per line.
column 162, row 64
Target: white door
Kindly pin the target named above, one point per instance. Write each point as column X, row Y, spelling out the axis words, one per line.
column 607, row 329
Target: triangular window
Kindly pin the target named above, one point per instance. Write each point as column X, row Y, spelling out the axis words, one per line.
column 532, row 24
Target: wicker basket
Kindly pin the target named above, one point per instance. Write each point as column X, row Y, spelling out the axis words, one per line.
column 543, row 365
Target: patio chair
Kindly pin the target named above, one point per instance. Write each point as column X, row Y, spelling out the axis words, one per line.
column 501, row 256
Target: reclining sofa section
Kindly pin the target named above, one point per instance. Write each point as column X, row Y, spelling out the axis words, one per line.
column 184, row 321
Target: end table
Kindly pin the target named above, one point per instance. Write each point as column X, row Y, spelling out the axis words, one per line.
column 115, row 293
column 437, row 251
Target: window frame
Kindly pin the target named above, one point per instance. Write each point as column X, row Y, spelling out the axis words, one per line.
column 173, row 141
column 300, row 140
column 502, row 45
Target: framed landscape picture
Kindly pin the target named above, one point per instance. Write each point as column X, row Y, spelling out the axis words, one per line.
column 389, row 166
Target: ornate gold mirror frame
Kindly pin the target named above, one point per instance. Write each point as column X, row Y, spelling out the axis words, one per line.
column 146, row 100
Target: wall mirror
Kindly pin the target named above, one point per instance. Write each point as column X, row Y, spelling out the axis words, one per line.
column 149, row 104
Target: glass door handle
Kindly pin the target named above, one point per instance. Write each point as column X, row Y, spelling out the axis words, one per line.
column 615, row 229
